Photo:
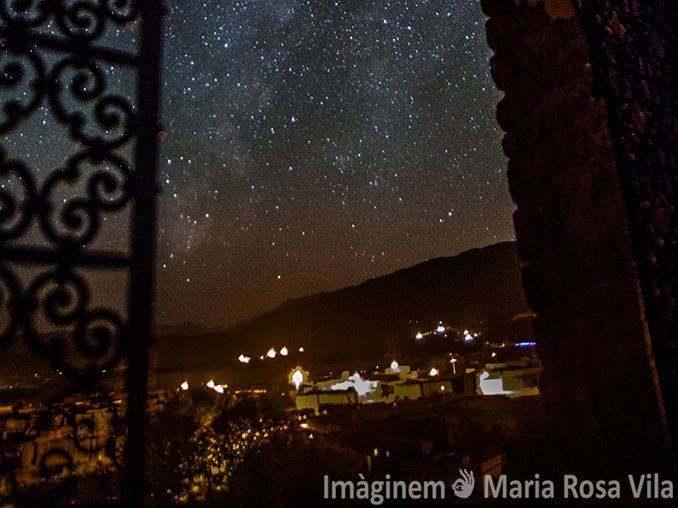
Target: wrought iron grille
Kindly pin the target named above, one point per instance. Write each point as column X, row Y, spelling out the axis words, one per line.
column 634, row 58
column 56, row 57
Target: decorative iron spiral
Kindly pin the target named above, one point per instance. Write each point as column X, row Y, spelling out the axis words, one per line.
column 112, row 115
column 85, row 342
column 22, row 72
column 10, row 307
column 25, row 13
column 75, row 221
column 83, row 20
column 15, row 203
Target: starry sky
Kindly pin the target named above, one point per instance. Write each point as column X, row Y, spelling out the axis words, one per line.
column 314, row 144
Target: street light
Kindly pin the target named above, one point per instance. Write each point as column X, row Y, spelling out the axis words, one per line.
column 453, row 361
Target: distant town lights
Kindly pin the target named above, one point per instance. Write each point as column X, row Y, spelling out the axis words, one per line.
column 468, row 337
column 210, row 384
column 184, row 386
column 440, row 329
column 219, row 389
column 394, row 366
column 301, row 349
column 433, row 372
column 244, row 359
column 271, row 353
column 419, row 336
column 284, row 351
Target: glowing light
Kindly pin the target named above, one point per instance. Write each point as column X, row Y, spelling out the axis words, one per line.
column 419, row 336
column 465, row 332
column 284, row 351
column 494, row 355
column 271, row 353
column 468, row 338
column 433, row 372
column 219, row 389
column 210, row 384
column 442, row 388
column 440, row 329
column 301, row 349
column 244, row 359
column 184, row 386
column 395, row 367
column 526, row 344
column 297, row 377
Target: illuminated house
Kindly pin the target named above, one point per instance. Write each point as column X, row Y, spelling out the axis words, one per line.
column 318, row 399
column 396, row 383
column 416, row 388
column 511, row 382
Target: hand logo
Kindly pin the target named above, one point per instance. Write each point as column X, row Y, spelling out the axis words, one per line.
column 463, row 487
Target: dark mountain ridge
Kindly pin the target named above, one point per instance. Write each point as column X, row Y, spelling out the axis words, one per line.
column 478, row 289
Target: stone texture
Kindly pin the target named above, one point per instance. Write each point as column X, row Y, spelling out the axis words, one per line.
column 606, row 414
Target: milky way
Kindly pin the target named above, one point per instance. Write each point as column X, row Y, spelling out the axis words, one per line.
column 315, row 144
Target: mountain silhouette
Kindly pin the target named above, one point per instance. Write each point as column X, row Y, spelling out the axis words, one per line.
column 479, row 289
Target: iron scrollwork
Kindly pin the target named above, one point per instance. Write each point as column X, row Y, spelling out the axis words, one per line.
column 54, row 56
column 21, row 70
column 77, row 19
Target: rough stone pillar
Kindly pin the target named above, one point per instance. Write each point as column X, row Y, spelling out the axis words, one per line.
column 600, row 385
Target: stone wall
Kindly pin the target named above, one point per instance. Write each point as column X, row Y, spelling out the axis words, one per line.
column 600, row 386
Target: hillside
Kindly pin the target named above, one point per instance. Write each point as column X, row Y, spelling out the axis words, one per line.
column 478, row 289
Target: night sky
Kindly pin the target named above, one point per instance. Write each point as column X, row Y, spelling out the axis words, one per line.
column 315, row 144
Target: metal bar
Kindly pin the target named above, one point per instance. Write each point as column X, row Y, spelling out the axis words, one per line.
column 144, row 192
column 41, row 255
column 89, row 51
